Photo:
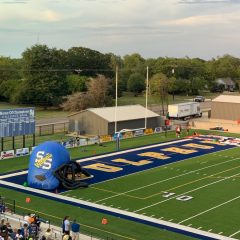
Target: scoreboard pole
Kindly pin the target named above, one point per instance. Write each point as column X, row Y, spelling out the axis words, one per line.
column 2, row 143
column 13, row 142
column 34, row 139
column 24, row 142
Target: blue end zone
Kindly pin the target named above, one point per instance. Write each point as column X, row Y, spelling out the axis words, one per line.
column 101, row 176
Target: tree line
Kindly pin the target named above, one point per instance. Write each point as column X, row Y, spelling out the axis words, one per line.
column 80, row 77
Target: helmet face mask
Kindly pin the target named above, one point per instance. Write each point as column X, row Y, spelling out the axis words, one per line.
column 71, row 175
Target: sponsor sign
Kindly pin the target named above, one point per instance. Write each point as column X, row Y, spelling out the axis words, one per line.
column 128, row 135
column 138, row 133
column 7, row 154
column 158, row 130
column 22, row 152
column 82, row 142
column 148, row 131
column 94, row 140
column 106, row 138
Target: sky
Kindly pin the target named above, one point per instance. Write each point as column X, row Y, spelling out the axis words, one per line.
column 153, row 28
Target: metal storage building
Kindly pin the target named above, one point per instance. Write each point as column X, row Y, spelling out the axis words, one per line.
column 101, row 121
column 226, row 107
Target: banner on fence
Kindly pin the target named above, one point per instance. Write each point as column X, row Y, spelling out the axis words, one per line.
column 22, row 152
column 106, row 138
column 94, row 140
column 83, row 142
column 128, row 135
column 7, row 154
column 148, row 131
column 158, row 130
column 138, row 133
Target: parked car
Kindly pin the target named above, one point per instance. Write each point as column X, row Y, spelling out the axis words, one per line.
column 199, row 99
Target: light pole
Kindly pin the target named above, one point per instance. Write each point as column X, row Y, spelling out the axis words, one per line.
column 146, row 107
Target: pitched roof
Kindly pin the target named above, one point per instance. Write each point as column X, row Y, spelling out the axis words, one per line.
column 227, row 99
column 124, row 113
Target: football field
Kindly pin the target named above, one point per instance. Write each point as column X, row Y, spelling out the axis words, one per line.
column 187, row 188
column 201, row 192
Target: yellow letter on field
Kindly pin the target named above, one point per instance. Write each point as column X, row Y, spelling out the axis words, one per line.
column 103, row 167
column 213, row 142
column 200, row 146
column 154, row 155
column 179, row 150
column 139, row 163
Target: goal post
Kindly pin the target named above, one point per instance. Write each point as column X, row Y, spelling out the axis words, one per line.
column 118, row 135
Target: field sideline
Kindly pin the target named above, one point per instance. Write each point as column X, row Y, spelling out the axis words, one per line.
column 189, row 192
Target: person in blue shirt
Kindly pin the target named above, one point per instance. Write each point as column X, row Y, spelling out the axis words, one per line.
column 75, row 230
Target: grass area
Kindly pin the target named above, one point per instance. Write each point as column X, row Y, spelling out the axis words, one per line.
column 40, row 112
column 8, row 141
column 129, row 98
column 117, row 229
column 172, row 209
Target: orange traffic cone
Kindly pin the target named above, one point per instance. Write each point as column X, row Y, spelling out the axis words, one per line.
column 104, row 221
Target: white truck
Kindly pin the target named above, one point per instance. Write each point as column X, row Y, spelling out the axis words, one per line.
column 184, row 111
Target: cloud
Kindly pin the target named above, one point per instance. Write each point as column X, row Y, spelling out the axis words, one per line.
column 207, row 20
column 14, row 2
column 207, row 1
column 49, row 15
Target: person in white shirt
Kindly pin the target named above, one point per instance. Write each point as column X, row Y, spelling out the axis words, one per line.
column 66, row 225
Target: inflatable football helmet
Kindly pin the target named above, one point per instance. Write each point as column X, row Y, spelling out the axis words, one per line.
column 50, row 166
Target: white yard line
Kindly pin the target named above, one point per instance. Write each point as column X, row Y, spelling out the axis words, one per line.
column 234, row 233
column 13, row 174
column 210, row 209
column 135, row 189
column 185, row 193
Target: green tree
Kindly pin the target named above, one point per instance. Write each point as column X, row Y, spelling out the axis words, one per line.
column 172, row 86
column 133, row 63
column 44, row 79
column 77, row 83
column 89, row 62
column 136, row 83
column 159, row 87
column 10, row 77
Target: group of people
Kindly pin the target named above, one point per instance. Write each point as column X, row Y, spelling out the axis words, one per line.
column 178, row 131
column 30, row 230
column 70, row 230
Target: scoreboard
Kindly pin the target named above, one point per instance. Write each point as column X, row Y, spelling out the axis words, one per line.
column 15, row 122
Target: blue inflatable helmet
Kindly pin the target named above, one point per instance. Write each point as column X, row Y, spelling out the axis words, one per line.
column 44, row 160
column 50, row 166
